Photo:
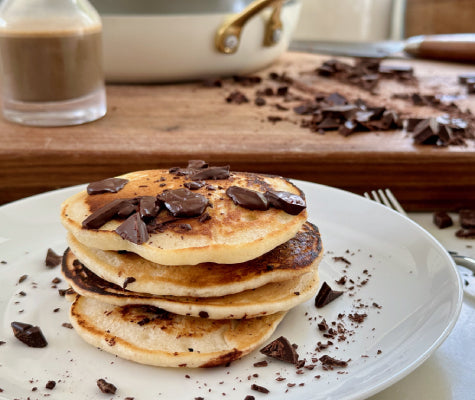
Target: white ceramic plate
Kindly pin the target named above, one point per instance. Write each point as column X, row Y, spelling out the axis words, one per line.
column 409, row 276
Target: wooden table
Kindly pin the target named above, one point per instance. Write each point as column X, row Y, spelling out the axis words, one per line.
column 151, row 126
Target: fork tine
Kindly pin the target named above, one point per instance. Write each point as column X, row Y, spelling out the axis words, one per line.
column 395, row 203
column 384, row 198
column 376, row 198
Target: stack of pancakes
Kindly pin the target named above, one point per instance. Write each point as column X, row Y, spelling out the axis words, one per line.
column 191, row 266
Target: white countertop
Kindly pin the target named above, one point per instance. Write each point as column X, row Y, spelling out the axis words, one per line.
column 450, row 372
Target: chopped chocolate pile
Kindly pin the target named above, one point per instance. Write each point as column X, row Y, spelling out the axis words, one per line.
column 282, row 350
column 52, row 259
column 29, row 334
column 106, row 387
column 440, row 131
column 109, row 185
column 442, row 219
column 365, row 73
column 326, row 295
column 335, row 112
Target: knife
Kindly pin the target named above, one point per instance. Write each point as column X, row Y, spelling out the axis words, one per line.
column 453, row 47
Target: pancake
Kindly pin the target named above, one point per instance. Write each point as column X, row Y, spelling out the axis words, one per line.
column 288, row 261
column 149, row 336
column 265, row 300
column 231, row 234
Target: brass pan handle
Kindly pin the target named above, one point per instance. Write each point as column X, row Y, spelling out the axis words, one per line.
column 229, row 34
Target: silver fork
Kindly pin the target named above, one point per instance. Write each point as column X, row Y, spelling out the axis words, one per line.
column 387, row 198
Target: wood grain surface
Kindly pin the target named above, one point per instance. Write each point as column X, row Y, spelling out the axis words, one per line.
column 153, row 126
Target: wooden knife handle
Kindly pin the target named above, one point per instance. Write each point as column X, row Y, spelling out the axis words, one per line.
column 455, row 47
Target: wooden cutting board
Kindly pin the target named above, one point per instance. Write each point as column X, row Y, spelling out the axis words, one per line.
column 152, row 126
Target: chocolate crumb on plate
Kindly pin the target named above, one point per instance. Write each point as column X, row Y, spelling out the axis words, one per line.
column 67, row 325
column 326, row 295
column 52, row 259
column 260, row 389
column 328, row 361
column 466, row 233
column 2, row 342
column 106, row 387
column 29, row 334
column 22, row 278
column 261, row 364
column 50, row 385
column 442, row 220
column 282, row 350
column 249, row 397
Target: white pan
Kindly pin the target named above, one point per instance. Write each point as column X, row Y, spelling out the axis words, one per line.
column 178, row 40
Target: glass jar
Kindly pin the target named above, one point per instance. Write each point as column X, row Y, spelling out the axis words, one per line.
column 51, row 60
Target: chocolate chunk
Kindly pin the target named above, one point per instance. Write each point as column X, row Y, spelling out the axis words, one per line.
column 326, row 295
column 128, row 280
column 336, row 99
column 467, row 218
column 237, row 97
column 282, row 350
column 106, row 387
column 133, row 229
column 109, row 185
column 328, row 361
column 148, row 207
column 104, row 214
column 204, row 217
column 464, row 78
column 426, row 132
column 194, row 185
column 247, row 198
column 197, row 164
column 348, row 128
column 291, row 203
column 52, row 259
column 248, row 397
column 183, row 203
column 203, row 314
column 466, row 233
column 411, row 123
column 260, row 101
column 442, row 219
column 50, row 385
column 213, row 173
column 260, row 389
column 29, row 334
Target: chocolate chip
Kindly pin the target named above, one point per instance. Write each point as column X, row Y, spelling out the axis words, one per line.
column 260, row 364
column 326, row 295
column 29, row 334
column 67, row 325
column 249, row 397
column 260, row 389
column 133, row 229
column 214, row 173
column 106, row 387
column 291, row 203
column 52, row 259
column 22, row 278
column 442, row 219
column 203, row 314
column 282, row 350
column 247, row 198
column 128, row 280
column 50, row 385
column 183, row 203
column 109, row 185
column 467, row 218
